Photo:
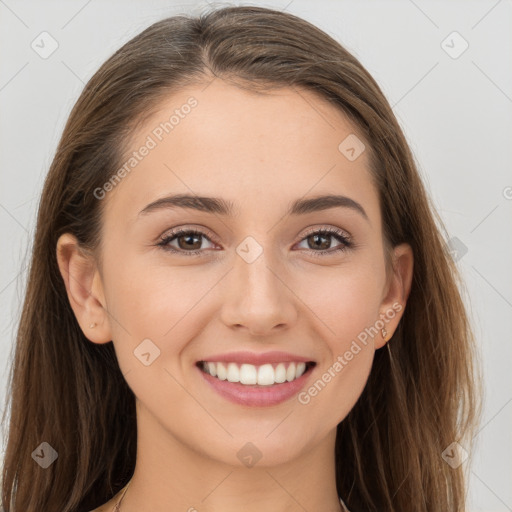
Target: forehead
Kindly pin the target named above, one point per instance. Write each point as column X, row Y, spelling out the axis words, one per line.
column 254, row 150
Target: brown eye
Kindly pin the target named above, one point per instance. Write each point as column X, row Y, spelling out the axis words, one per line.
column 188, row 241
column 319, row 242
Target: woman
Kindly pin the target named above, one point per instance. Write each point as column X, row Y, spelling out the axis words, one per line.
column 239, row 297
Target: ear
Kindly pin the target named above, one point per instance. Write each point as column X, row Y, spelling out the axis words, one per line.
column 84, row 288
column 396, row 293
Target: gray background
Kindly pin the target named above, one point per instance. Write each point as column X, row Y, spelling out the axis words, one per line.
column 456, row 113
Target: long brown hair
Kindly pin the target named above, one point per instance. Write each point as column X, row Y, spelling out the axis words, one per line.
column 64, row 390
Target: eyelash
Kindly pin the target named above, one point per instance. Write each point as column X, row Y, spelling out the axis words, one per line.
column 334, row 232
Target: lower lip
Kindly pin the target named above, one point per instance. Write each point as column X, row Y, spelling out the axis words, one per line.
column 256, row 396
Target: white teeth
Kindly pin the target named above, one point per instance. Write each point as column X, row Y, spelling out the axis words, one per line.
column 280, row 373
column 212, row 369
column 221, row 371
column 233, row 373
column 248, row 374
column 266, row 375
column 290, row 372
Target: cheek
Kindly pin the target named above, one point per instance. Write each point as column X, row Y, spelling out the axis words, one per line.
column 344, row 303
column 155, row 302
column 339, row 384
column 347, row 312
column 149, row 299
column 347, row 301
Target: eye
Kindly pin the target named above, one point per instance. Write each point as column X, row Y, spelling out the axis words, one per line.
column 322, row 238
column 186, row 239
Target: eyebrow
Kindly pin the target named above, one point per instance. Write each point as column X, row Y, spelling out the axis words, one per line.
column 227, row 208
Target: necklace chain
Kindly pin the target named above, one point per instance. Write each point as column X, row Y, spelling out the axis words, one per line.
column 117, row 507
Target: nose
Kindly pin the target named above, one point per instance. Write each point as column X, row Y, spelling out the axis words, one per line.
column 257, row 299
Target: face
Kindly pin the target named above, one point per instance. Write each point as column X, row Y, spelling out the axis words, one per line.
column 258, row 278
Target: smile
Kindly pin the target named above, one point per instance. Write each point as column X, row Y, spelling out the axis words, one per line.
column 249, row 374
column 256, row 385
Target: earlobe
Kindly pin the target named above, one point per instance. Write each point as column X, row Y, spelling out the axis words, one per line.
column 398, row 289
column 84, row 289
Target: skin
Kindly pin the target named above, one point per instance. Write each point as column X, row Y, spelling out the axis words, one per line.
column 261, row 152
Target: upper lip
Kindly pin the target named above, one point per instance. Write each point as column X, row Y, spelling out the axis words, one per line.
column 256, row 358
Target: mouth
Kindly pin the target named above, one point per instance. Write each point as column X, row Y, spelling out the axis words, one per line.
column 256, row 385
column 268, row 374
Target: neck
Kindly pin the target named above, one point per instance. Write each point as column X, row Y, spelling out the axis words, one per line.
column 170, row 475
